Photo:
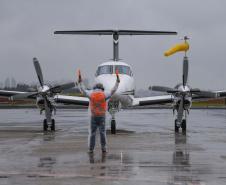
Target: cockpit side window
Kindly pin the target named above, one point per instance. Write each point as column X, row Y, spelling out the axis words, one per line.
column 107, row 69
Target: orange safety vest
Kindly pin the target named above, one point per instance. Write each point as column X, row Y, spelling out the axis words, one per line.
column 98, row 103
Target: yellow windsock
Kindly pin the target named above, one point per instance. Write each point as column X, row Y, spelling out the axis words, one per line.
column 177, row 48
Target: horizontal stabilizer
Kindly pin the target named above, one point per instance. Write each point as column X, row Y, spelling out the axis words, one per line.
column 118, row 32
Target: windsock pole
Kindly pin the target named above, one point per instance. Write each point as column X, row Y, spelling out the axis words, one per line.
column 184, row 47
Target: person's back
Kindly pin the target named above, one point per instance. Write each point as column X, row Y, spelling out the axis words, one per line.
column 98, row 107
column 98, row 103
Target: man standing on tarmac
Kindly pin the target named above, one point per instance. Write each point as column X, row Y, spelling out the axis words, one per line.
column 98, row 107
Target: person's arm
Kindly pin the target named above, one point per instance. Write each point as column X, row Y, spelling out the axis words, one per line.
column 114, row 89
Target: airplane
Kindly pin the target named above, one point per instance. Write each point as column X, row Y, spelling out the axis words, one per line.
column 44, row 96
column 106, row 71
column 182, row 93
column 105, row 74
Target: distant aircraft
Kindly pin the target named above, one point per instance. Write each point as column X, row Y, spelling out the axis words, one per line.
column 105, row 74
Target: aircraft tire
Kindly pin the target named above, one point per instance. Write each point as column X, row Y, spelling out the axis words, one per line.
column 183, row 126
column 45, row 125
column 176, row 128
column 113, row 126
column 53, row 125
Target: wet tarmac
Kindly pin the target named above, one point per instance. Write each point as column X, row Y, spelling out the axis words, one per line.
column 144, row 151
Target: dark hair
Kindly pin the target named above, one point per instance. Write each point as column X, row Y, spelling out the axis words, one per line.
column 98, row 86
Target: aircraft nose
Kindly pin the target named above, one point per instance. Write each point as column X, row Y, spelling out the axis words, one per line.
column 107, row 81
column 126, row 84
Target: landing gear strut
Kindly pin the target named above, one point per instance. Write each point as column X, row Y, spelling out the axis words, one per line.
column 113, row 107
column 113, row 126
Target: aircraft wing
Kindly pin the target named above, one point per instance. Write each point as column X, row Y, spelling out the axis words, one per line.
column 164, row 99
column 153, row 100
column 75, row 100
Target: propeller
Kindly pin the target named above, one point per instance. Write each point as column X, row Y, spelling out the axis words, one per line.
column 45, row 91
column 55, row 89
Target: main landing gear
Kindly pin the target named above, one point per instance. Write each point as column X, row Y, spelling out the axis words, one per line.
column 182, row 125
column 46, row 125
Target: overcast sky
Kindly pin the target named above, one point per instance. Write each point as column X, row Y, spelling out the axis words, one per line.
column 27, row 26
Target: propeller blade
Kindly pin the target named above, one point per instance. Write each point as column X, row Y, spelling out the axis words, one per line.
column 24, row 96
column 163, row 89
column 180, row 110
column 185, row 71
column 195, row 90
column 38, row 71
column 207, row 94
column 59, row 88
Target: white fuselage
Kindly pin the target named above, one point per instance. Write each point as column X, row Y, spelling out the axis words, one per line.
column 106, row 74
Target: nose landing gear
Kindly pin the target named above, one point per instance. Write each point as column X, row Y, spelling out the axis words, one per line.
column 113, row 107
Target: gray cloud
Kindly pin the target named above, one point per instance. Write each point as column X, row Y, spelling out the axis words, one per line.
column 27, row 28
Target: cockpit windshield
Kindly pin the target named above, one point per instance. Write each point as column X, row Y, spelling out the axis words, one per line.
column 123, row 70
column 110, row 69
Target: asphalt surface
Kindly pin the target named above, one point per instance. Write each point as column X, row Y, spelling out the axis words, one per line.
column 144, row 151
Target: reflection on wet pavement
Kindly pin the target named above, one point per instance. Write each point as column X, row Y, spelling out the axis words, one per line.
column 144, row 151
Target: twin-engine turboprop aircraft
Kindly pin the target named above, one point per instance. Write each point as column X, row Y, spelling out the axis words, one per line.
column 105, row 74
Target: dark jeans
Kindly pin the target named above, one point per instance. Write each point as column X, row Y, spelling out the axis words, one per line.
column 97, row 122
